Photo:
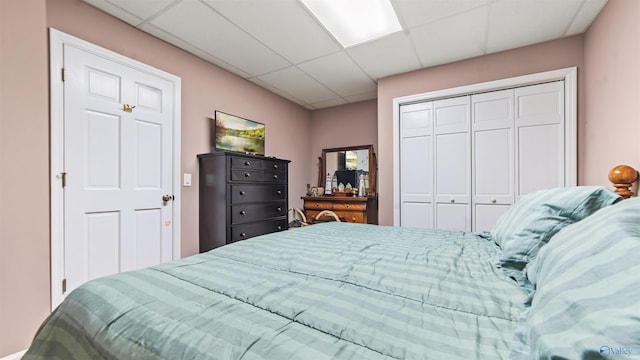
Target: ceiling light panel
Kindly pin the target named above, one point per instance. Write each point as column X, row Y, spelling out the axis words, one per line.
column 353, row 22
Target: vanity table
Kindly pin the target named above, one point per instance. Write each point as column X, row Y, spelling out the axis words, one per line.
column 362, row 210
column 347, row 163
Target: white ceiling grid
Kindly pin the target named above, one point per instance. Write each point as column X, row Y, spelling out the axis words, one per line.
column 280, row 46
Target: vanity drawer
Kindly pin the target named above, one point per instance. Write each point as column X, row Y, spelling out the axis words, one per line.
column 317, row 205
column 352, row 216
column 241, row 213
column 257, row 193
column 350, row 206
column 246, row 231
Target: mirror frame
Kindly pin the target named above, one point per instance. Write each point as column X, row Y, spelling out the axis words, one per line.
column 373, row 165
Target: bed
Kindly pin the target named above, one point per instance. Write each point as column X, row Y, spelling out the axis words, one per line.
column 556, row 278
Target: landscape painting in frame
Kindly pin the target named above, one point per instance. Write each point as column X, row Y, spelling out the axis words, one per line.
column 233, row 133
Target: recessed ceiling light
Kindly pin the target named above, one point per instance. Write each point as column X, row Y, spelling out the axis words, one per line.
column 353, row 22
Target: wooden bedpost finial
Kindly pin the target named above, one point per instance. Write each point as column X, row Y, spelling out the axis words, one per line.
column 622, row 177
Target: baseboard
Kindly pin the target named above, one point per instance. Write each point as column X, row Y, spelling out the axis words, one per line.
column 16, row 356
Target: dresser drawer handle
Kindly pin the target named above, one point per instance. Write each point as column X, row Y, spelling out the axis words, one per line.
column 275, row 176
column 278, row 209
column 242, row 212
column 279, row 192
column 247, row 163
column 242, row 192
column 275, row 166
column 243, row 235
column 247, row 175
column 279, row 227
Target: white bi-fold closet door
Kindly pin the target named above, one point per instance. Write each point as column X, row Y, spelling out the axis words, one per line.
column 465, row 160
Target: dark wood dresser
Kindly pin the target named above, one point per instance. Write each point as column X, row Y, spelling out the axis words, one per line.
column 363, row 210
column 241, row 196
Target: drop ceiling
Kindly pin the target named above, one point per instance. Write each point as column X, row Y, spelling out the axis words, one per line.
column 279, row 45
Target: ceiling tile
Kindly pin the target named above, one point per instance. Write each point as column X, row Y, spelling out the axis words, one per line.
column 589, row 10
column 413, row 13
column 362, row 97
column 199, row 25
column 330, row 103
column 518, row 23
column 277, row 91
column 339, row 73
column 390, row 55
column 121, row 13
column 451, row 39
column 163, row 35
column 294, row 81
column 284, row 26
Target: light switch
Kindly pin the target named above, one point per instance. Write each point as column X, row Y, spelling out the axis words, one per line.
column 187, row 179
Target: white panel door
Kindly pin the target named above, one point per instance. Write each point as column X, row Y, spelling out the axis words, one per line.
column 539, row 125
column 452, row 163
column 118, row 166
column 493, row 157
column 416, row 149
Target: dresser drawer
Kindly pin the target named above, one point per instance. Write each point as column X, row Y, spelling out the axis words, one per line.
column 275, row 176
column 352, row 216
column 361, row 206
column 247, row 164
column 246, row 231
column 241, row 213
column 275, row 165
column 318, row 205
column 257, row 193
column 246, row 175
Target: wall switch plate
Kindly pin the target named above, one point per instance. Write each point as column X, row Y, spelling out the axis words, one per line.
column 187, row 179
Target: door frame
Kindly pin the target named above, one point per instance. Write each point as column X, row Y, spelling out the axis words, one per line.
column 57, row 40
column 568, row 75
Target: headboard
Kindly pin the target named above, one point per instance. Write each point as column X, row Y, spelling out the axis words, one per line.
column 623, row 177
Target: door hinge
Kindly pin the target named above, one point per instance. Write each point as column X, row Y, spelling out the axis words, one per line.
column 62, row 74
column 63, row 176
column 64, row 286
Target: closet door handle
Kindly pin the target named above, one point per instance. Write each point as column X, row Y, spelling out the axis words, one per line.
column 493, row 201
column 452, row 200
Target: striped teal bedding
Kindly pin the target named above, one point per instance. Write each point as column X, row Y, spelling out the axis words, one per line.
column 586, row 303
column 327, row 291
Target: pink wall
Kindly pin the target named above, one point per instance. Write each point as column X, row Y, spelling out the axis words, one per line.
column 609, row 89
column 24, row 172
column 611, row 118
column 552, row 55
column 24, row 259
column 346, row 125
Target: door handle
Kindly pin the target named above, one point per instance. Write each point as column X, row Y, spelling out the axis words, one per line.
column 167, row 197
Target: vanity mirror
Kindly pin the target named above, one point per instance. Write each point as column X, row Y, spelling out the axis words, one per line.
column 348, row 163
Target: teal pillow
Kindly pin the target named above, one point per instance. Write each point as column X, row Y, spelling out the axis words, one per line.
column 587, row 297
column 537, row 216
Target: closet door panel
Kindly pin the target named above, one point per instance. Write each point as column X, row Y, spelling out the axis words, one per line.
column 417, row 169
column 452, row 151
column 539, row 137
column 416, row 165
column 415, row 214
column 540, row 158
column 451, row 216
column 487, row 216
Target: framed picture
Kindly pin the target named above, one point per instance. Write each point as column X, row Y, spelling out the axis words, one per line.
column 233, row 133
